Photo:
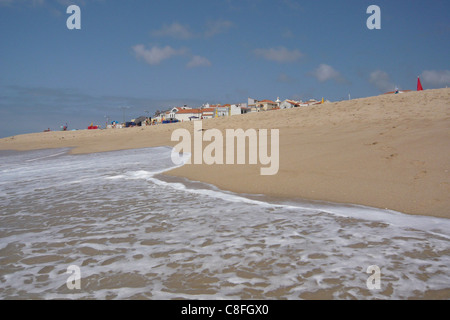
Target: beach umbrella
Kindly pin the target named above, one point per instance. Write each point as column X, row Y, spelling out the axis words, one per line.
column 419, row 85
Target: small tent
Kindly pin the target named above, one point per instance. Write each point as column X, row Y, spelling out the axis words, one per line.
column 140, row 120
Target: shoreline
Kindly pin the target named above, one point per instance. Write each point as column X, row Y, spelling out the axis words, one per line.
column 387, row 152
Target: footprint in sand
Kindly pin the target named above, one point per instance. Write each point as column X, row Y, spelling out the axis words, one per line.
column 420, row 174
column 392, row 156
column 371, row 144
column 420, row 165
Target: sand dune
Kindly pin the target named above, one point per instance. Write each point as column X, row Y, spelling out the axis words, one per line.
column 388, row 151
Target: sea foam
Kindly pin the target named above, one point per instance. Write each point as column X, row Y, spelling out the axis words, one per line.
column 136, row 233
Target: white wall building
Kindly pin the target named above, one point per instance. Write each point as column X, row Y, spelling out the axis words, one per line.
column 235, row 109
column 287, row 104
column 188, row 114
column 208, row 113
column 223, row 111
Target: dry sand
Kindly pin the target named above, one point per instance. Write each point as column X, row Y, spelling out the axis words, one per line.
column 388, row 151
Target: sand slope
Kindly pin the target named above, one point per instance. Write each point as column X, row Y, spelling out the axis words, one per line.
column 389, row 151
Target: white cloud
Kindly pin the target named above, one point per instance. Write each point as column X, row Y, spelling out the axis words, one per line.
column 439, row 78
column 381, row 80
column 198, row 61
column 217, row 27
column 280, row 54
column 179, row 31
column 155, row 55
column 175, row 30
column 326, row 72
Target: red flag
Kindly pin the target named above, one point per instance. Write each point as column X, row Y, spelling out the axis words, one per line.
column 419, row 85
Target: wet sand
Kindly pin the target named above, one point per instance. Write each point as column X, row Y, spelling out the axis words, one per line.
column 388, row 151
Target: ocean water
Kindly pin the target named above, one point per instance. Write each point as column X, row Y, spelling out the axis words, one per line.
column 133, row 233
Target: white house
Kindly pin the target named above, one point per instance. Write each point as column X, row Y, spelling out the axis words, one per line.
column 167, row 115
column 223, row 111
column 171, row 113
column 311, row 102
column 235, row 109
column 253, row 105
column 208, row 113
column 267, row 105
column 286, row 104
column 188, row 114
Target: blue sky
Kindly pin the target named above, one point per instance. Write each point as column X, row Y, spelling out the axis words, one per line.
column 148, row 55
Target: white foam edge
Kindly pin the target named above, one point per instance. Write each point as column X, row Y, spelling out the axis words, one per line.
column 434, row 225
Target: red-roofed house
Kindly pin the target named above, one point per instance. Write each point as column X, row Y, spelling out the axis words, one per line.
column 208, row 113
column 188, row 114
column 286, row 104
column 267, row 105
column 310, row 102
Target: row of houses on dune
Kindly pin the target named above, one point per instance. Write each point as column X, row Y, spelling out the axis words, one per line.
column 208, row 111
column 267, row 105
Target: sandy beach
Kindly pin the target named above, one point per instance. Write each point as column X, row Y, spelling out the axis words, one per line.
column 387, row 151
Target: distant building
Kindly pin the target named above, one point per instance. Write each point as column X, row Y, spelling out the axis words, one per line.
column 223, row 111
column 251, row 102
column 310, row 102
column 267, row 105
column 287, row 104
column 208, row 113
column 236, row 109
column 278, row 102
column 253, row 105
column 245, row 110
column 188, row 114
